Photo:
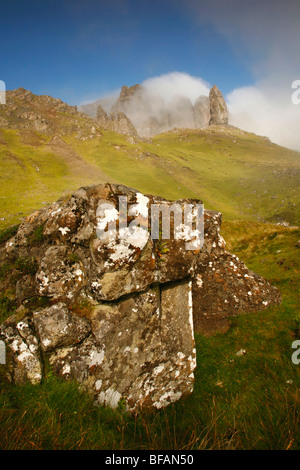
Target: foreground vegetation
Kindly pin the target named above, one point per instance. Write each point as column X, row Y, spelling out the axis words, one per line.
column 245, row 401
column 240, row 401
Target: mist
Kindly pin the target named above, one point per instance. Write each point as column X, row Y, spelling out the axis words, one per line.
column 171, row 100
column 169, row 86
column 161, row 103
column 264, row 35
column 266, row 111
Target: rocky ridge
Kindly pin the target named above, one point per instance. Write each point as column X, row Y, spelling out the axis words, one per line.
column 150, row 114
column 27, row 112
column 134, row 113
column 119, row 307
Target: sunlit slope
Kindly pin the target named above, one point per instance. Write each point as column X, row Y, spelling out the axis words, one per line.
column 240, row 174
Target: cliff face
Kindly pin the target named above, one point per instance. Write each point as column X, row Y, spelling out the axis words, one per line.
column 117, row 122
column 119, row 306
column 149, row 114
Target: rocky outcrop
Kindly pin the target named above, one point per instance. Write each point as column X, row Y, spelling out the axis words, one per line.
column 102, row 117
column 120, row 301
column 117, row 122
column 27, row 112
column 121, row 123
column 150, row 114
column 218, row 107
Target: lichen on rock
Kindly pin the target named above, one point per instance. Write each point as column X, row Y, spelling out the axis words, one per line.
column 142, row 297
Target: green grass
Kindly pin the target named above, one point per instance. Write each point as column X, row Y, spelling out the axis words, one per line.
column 239, row 402
column 246, row 402
column 240, row 174
column 31, row 176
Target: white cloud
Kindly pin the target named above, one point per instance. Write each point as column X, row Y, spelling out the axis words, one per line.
column 267, row 112
column 172, row 84
column 265, row 37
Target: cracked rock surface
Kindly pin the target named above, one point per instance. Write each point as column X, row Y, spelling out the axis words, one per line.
column 119, row 308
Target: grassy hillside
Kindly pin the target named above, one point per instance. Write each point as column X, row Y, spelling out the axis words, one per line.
column 240, row 174
column 248, row 401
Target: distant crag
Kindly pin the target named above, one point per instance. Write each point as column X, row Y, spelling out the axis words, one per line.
column 116, row 121
column 218, row 108
column 149, row 114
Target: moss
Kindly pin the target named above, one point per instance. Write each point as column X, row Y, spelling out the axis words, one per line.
column 37, row 237
column 37, row 302
column 73, row 258
column 7, row 306
column 82, row 307
column 8, row 233
column 26, row 265
column 5, row 270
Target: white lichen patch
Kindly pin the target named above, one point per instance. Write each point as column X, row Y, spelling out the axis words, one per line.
column 221, row 241
column 98, row 384
column 28, row 358
column 180, row 355
column 193, row 362
column 66, row 369
column 186, row 232
column 56, row 212
column 64, row 230
column 199, row 281
column 96, row 358
column 96, row 285
column 109, row 397
column 190, row 305
column 157, row 370
column 169, row 397
column 46, row 342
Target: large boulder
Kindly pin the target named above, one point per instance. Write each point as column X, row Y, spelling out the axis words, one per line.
column 120, row 296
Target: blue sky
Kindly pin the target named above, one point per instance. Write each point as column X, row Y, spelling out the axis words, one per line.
column 79, row 50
